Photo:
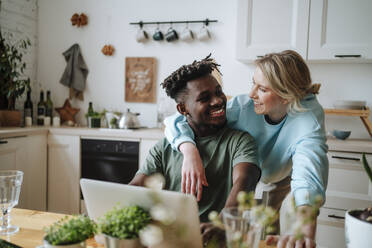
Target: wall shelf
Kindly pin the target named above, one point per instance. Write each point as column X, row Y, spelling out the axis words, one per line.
column 362, row 113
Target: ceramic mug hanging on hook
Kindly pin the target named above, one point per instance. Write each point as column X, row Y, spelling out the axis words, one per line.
column 171, row 34
column 203, row 34
column 186, row 34
column 141, row 35
column 158, row 35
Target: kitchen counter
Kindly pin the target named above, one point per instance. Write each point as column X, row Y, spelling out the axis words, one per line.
column 142, row 133
column 350, row 145
column 353, row 145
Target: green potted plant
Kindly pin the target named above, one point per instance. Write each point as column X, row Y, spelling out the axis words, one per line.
column 121, row 226
column 13, row 82
column 69, row 232
column 112, row 118
column 94, row 119
column 358, row 222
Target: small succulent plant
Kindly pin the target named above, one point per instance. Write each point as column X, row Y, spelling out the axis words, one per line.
column 70, row 230
column 124, row 223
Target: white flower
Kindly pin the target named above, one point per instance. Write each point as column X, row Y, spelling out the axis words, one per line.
column 155, row 182
column 213, row 215
column 151, row 235
column 160, row 213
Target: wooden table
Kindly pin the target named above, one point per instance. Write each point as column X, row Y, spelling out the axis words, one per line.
column 31, row 224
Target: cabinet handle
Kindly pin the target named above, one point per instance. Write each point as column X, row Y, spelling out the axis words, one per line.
column 355, row 159
column 3, row 142
column 336, row 216
column 16, row 137
column 348, row 56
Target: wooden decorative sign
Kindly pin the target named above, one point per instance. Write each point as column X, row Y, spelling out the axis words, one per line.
column 140, row 79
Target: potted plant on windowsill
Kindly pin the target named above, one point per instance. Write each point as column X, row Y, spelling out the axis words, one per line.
column 358, row 222
column 69, row 232
column 121, row 226
column 12, row 80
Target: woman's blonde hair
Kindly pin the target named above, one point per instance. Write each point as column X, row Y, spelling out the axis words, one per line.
column 288, row 76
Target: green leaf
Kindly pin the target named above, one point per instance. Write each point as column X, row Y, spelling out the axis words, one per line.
column 366, row 166
column 12, row 67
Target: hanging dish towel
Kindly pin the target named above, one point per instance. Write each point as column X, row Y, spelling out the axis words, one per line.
column 76, row 72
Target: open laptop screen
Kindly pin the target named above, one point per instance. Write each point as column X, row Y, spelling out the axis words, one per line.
column 101, row 197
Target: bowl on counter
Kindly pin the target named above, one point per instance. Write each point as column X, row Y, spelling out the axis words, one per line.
column 341, row 134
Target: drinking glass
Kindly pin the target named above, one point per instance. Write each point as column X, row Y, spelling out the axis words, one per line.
column 10, row 187
column 241, row 230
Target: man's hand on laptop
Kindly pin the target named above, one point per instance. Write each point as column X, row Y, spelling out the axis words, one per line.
column 213, row 233
column 193, row 173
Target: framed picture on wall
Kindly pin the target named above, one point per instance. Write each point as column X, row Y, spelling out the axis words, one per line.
column 140, row 79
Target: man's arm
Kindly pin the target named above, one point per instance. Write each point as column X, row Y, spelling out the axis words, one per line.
column 151, row 165
column 138, row 180
column 245, row 178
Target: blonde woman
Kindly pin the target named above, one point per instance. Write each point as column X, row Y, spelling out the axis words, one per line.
column 282, row 113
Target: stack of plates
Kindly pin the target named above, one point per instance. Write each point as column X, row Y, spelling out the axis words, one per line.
column 341, row 104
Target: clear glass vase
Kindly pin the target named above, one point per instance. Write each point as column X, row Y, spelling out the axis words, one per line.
column 241, row 230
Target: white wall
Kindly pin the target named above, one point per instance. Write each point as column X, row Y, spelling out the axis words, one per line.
column 109, row 23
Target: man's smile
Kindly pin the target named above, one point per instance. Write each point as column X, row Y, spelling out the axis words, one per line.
column 218, row 113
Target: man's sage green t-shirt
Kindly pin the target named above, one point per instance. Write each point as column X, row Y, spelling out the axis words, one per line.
column 219, row 152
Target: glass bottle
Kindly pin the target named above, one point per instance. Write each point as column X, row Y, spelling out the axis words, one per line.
column 28, row 107
column 41, row 109
column 49, row 106
column 90, row 109
column 89, row 114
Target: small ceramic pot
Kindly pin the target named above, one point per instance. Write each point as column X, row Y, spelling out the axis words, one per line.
column 357, row 232
column 111, row 242
column 77, row 245
column 94, row 122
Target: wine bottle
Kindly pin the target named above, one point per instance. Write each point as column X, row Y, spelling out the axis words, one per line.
column 90, row 114
column 90, row 109
column 49, row 106
column 28, row 107
column 41, row 110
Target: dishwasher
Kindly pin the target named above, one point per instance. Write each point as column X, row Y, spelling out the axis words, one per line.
column 109, row 160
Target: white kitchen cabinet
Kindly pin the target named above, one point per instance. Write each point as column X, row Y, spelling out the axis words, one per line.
column 266, row 26
column 63, row 174
column 348, row 188
column 145, row 146
column 319, row 30
column 28, row 154
column 330, row 231
column 340, row 30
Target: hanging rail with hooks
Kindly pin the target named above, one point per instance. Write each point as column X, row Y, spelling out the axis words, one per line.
column 141, row 23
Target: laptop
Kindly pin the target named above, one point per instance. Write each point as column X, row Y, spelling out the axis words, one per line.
column 100, row 197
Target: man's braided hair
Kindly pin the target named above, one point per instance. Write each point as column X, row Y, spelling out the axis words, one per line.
column 175, row 84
